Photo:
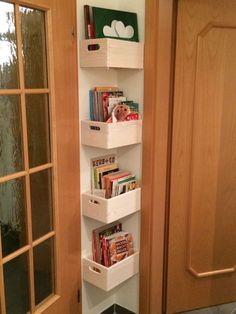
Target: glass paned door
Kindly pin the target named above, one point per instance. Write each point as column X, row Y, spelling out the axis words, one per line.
column 27, row 207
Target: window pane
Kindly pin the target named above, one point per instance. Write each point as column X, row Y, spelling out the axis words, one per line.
column 11, row 148
column 43, row 270
column 38, row 129
column 34, row 47
column 41, row 202
column 13, row 215
column 16, row 285
column 8, row 47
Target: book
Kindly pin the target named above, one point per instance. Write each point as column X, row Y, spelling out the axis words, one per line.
column 89, row 25
column 126, row 187
column 98, row 162
column 91, row 109
column 120, row 185
column 106, row 89
column 108, row 179
column 101, row 171
column 100, row 108
column 124, row 111
column 86, row 21
column 115, row 24
column 112, row 101
column 117, row 247
column 98, row 235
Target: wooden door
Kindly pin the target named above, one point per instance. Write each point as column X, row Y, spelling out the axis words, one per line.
column 202, row 226
column 39, row 158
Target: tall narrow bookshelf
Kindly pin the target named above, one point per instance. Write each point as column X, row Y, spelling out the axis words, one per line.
column 118, row 284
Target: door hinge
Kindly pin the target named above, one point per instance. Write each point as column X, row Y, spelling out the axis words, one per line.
column 78, row 296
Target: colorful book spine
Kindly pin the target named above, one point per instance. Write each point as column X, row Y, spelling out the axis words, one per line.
column 91, row 105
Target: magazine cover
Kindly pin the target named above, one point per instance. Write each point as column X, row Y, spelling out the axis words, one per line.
column 117, row 247
column 98, row 235
column 97, row 162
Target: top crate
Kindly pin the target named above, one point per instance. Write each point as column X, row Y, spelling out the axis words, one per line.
column 111, row 53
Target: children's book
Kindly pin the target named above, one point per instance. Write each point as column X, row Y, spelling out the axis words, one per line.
column 107, row 160
column 124, row 111
column 108, row 181
column 102, row 171
column 112, row 101
column 98, row 235
column 117, row 247
column 120, row 185
column 115, row 24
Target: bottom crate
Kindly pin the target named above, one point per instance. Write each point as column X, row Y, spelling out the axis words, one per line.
column 117, row 309
column 108, row 278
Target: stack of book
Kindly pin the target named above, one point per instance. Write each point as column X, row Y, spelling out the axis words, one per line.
column 108, row 180
column 111, row 244
column 108, row 104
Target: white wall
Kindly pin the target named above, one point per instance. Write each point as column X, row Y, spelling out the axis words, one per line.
column 95, row 300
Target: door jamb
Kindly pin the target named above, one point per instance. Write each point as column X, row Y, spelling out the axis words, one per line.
column 157, row 130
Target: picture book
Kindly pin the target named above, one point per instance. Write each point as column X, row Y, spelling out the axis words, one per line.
column 124, row 111
column 124, row 184
column 99, row 102
column 126, row 187
column 108, row 179
column 98, row 235
column 108, row 104
column 117, row 247
column 101, row 171
column 108, row 160
column 112, row 101
column 115, row 24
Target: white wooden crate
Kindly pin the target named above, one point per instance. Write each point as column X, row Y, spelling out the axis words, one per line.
column 107, row 278
column 111, row 135
column 108, row 210
column 111, row 53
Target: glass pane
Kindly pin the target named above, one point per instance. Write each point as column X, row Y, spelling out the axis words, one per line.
column 34, row 47
column 13, row 215
column 38, row 129
column 41, row 202
column 16, row 280
column 11, row 148
column 8, row 47
column 43, row 270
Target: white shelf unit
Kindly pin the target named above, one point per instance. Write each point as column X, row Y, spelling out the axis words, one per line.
column 129, row 78
column 111, row 53
column 108, row 278
column 109, row 210
column 111, row 135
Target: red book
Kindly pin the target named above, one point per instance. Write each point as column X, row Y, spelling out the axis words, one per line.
column 98, row 235
column 117, row 247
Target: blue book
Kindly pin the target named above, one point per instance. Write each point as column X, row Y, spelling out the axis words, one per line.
column 91, row 105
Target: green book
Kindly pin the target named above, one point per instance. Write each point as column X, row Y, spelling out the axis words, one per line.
column 115, row 24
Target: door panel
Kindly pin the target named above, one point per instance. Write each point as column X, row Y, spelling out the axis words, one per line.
column 202, row 234
column 39, row 158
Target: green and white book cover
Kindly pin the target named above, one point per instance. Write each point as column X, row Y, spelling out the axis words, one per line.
column 115, row 24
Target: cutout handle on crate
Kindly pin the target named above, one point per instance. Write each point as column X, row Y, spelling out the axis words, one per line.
column 95, row 128
column 91, row 47
column 94, row 202
column 94, row 269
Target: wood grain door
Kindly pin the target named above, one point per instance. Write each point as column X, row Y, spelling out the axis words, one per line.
column 202, row 226
column 39, row 158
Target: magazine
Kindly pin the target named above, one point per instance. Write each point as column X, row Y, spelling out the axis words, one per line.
column 117, row 247
column 98, row 235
